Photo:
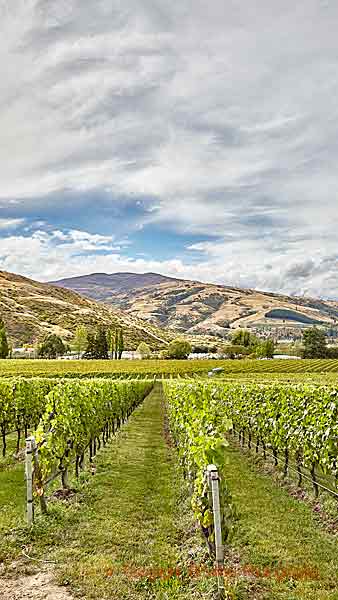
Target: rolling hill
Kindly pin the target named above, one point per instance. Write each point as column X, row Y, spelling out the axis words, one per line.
column 31, row 310
column 100, row 286
column 197, row 308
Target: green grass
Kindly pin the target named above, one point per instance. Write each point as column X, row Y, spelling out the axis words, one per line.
column 277, row 532
column 77, row 368
column 10, row 459
column 12, row 509
column 12, row 497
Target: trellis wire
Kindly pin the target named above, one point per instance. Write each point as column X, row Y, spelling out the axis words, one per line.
column 303, row 474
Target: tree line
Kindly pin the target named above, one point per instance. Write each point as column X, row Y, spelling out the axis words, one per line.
column 245, row 342
column 108, row 343
column 101, row 344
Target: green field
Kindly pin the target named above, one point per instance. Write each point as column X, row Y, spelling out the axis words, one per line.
column 106, row 368
column 133, row 521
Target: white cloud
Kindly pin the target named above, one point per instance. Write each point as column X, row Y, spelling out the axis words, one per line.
column 223, row 114
column 82, row 241
column 44, row 256
column 49, row 256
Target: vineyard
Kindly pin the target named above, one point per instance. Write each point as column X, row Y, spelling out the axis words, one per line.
column 294, row 425
column 78, row 415
column 165, row 368
column 289, row 419
column 68, row 417
column 23, row 402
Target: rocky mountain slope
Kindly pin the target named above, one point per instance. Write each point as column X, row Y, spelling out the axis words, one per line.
column 197, row 308
column 31, row 310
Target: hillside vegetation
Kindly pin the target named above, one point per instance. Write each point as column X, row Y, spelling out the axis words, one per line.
column 31, row 310
column 199, row 308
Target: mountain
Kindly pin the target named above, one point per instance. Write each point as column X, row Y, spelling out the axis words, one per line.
column 100, row 286
column 197, row 308
column 31, row 310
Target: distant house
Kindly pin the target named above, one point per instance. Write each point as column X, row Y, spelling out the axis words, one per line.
column 286, row 357
column 23, row 352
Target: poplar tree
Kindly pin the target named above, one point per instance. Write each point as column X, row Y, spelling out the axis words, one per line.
column 121, row 344
column 4, row 347
column 101, row 343
column 90, row 348
column 80, row 339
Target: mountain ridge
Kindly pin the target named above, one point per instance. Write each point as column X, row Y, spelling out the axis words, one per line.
column 103, row 281
column 194, row 307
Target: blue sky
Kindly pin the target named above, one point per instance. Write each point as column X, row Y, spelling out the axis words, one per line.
column 195, row 139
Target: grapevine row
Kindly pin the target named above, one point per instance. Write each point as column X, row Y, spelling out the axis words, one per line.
column 22, row 403
column 298, row 420
column 199, row 435
column 78, row 415
column 151, row 368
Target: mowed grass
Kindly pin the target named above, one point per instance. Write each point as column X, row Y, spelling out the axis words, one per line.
column 143, row 368
column 279, row 539
column 12, row 496
column 12, row 508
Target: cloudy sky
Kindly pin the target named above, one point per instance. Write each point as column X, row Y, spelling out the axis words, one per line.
column 197, row 139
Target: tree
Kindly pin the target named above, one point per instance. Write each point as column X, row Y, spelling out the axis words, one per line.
column 101, row 343
column 111, row 342
column 90, row 347
column 266, row 348
column 144, row 350
column 121, row 344
column 232, row 351
column 204, row 349
column 80, row 339
column 314, row 341
column 243, row 337
column 118, row 343
column 4, row 347
column 179, row 349
column 269, row 348
column 51, row 347
column 97, row 345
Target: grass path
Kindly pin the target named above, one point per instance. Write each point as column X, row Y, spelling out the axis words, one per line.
column 278, row 532
column 12, row 500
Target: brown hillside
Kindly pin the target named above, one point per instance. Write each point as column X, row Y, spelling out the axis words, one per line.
column 198, row 308
column 31, row 310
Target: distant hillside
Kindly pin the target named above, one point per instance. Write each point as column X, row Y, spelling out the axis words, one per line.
column 198, row 308
column 31, row 310
column 100, row 286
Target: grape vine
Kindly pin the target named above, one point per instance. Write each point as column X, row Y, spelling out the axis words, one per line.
column 199, row 432
column 22, row 403
column 81, row 414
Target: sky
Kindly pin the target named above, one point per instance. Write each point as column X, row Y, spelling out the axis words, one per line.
column 195, row 139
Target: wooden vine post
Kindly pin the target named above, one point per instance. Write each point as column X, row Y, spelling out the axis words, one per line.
column 37, row 477
column 29, row 481
column 213, row 479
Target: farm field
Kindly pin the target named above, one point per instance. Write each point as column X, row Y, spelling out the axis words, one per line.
column 144, row 368
column 124, row 523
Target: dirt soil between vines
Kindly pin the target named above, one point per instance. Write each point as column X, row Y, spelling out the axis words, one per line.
column 40, row 586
